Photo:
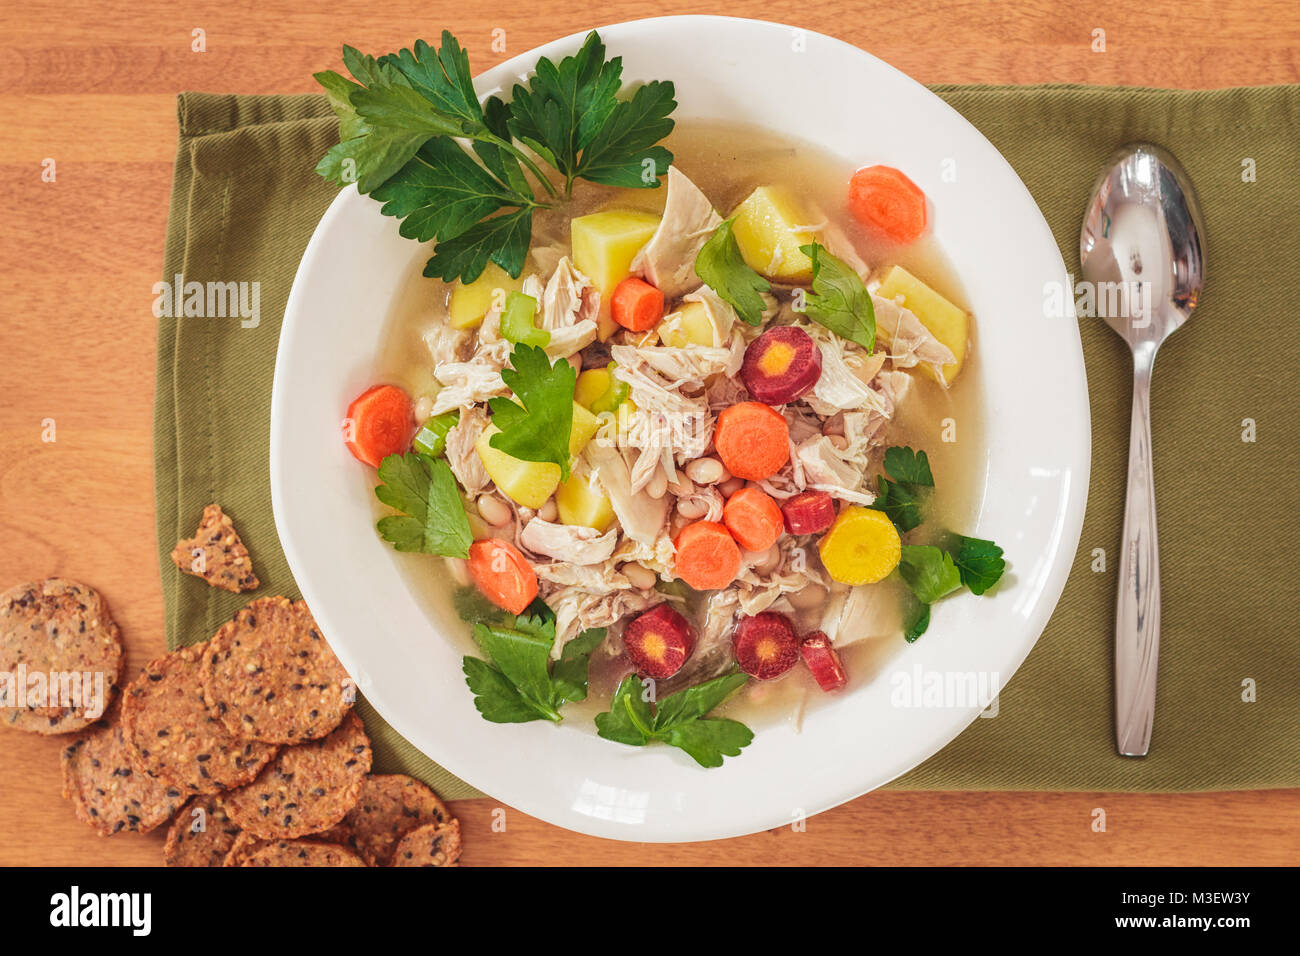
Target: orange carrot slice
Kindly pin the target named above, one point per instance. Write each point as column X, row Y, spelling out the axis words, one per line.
column 503, row 574
column 883, row 199
column 636, row 304
column 707, row 556
column 753, row 440
column 753, row 518
column 379, row 423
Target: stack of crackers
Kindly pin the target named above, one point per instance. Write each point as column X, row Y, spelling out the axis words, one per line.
column 248, row 742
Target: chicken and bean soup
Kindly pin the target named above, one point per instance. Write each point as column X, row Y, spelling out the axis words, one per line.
column 687, row 449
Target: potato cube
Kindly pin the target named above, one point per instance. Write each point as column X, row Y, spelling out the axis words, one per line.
column 689, row 325
column 604, row 245
column 530, row 483
column 946, row 322
column 766, row 229
column 469, row 303
column 581, row 502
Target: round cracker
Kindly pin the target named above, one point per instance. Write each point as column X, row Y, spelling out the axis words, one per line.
column 107, row 791
column 269, row 675
column 307, row 788
column 174, row 734
column 201, row 835
column 434, row 844
column 389, row 807
column 61, row 627
column 301, row 853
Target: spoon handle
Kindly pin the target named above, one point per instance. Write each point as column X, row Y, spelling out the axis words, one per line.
column 1137, row 612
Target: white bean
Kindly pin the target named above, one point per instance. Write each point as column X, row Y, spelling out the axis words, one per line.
column 423, row 408
column 705, row 471
column 768, row 562
column 731, row 486
column 689, row 508
column 494, row 511
column 814, row 595
column 459, row 568
column 642, row 578
column 658, row 486
column 548, row 511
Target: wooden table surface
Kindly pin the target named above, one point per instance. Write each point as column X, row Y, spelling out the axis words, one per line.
column 92, row 85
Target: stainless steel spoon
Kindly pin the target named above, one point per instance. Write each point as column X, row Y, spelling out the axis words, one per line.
column 1143, row 232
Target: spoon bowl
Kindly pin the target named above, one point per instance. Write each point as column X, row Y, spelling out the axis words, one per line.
column 1142, row 252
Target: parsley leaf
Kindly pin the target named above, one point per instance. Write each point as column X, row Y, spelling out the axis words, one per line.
column 443, row 194
column 916, row 619
column 539, row 430
column 901, row 503
column 425, row 489
column 570, row 115
column 494, row 696
column 980, row 563
column 402, row 116
column 838, row 300
column 630, row 718
column 678, row 720
column 723, row 269
column 623, row 151
column 903, row 499
column 560, row 109
column 518, row 683
column 569, row 673
column 708, row 741
column 928, row 571
column 443, row 78
column 904, row 464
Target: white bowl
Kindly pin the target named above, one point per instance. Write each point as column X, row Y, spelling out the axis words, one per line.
column 814, row 88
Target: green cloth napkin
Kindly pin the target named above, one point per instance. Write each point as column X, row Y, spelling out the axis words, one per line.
column 245, row 202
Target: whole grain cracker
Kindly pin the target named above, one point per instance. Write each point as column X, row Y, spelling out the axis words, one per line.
column 434, row 844
column 58, row 627
column 175, row 736
column 269, row 675
column 389, row 807
column 301, row 853
column 216, row 554
column 307, row 788
column 201, row 835
column 105, row 788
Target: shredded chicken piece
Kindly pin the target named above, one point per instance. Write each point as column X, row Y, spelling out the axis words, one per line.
column 562, row 297
column 866, row 612
column 667, row 261
column 839, row 245
column 461, row 454
column 641, row 517
column 830, row 469
column 721, row 315
column 656, row 555
column 577, row 610
column 446, row 344
column 713, row 653
column 473, row 382
column 570, row 544
column 669, row 426
column 840, row 386
column 910, row 342
column 795, row 570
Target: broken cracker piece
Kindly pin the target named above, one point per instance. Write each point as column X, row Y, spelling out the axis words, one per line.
column 216, row 554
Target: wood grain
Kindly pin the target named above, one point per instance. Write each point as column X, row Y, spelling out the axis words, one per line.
column 92, row 85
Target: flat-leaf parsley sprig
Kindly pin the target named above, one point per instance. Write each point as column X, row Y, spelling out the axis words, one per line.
column 402, row 118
